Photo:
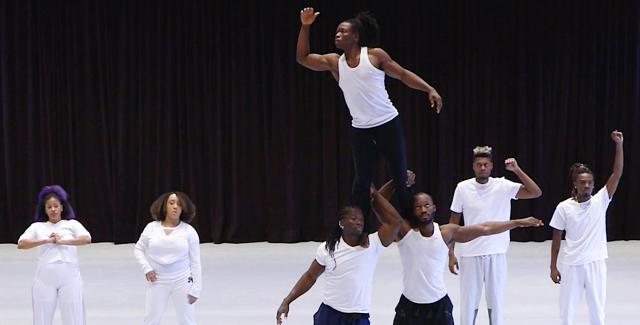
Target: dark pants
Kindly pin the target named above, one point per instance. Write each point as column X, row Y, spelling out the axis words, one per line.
column 329, row 316
column 386, row 139
column 411, row 313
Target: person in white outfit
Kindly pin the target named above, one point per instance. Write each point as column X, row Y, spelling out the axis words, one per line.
column 423, row 246
column 56, row 233
column 483, row 261
column 376, row 127
column 168, row 252
column 582, row 266
column 347, row 259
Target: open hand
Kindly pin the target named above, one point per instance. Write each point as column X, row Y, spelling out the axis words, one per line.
column 308, row 16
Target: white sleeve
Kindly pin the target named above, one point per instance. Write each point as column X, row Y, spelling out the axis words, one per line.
column 78, row 229
column 511, row 188
column 603, row 198
column 456, row 202
column 558, row 220
column 30, row 233
column 196, row 266
column 321, row 254
column 141, row 248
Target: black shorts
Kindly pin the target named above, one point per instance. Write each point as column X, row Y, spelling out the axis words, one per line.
column 436, row 313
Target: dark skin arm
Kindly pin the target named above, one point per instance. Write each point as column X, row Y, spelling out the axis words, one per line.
column 391, row 219
column 618, row 163
column 387, row 191
column 306, row 281
column 456, row 233
column 529, row 188
column 454, row 219
column 555, row 248
column 316, row 62
column 382, row 60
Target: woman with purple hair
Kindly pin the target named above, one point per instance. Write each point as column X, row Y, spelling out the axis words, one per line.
column 56, row 232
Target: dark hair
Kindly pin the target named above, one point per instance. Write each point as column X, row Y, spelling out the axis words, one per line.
column 55, row 191
column 158, row 208
column 367, row 28
column 413, row 220
column 334, row 236
column 575, row 170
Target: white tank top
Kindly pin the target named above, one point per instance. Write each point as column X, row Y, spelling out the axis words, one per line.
column 423, row 261
column 364, row 92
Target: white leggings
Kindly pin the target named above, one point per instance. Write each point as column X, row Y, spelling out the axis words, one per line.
column 158, row 295
column 476, row 271
column 590, row 278
column 58, row 282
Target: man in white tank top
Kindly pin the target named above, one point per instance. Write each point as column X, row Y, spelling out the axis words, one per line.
column 423, row 246
column 483, row 261
column 360, row 71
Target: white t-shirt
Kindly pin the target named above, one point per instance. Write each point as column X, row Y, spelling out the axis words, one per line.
column 586, row 227
column 172, row 256
column 53, row 253
column 481, row 203
column 365, row 93
column 423, row 261
column 349, row 277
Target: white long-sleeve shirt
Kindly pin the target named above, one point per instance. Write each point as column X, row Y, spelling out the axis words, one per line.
column 52, row 253
column 172, row 256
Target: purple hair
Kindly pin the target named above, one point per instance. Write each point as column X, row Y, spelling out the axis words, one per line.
column 59, row 193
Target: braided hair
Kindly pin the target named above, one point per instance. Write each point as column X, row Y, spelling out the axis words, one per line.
column 334, row 237
column 575, row 170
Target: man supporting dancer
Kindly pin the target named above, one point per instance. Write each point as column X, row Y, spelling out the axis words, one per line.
column 423, row 246
column 348, row 260
column 360, row 72
column 483, row 260
column 583, row 217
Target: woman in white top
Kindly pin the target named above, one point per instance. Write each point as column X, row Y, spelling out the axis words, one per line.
column 56, row 233
column 168, row 252
column 376, row 127
column 347, row 259
column 582, row 267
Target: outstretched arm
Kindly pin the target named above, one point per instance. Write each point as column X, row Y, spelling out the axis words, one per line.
column 412, row 80
column 529, row 190
column 317, row 62
column 468, row 233
column 618, row 163
column 555, row 248
column 306, row 281
column 387, row 191
column 391, row 219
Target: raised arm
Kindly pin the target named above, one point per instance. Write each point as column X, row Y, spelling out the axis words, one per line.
column 391, row 219
column 387, row 191
column 618, row 163
column 317, row 62
column 468, row 233
column 306, row 281
column 412, row 80
column 555, row 248
column 529, row 189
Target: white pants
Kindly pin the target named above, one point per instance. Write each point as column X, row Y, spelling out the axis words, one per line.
column 476, row 271
column 158, row 295
column 58, row 282
column 590, row 278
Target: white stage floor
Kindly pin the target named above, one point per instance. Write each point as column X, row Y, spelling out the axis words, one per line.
column 245, row 283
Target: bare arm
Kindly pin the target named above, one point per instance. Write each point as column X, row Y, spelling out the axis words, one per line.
column 555, row 248
column 412, row 80
column 306, row 281
column 618, row 163
column 316, row 62
column 454, row 219
column 529, row 189
column 391, row 219
column 387, row 191
column 468, row 233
